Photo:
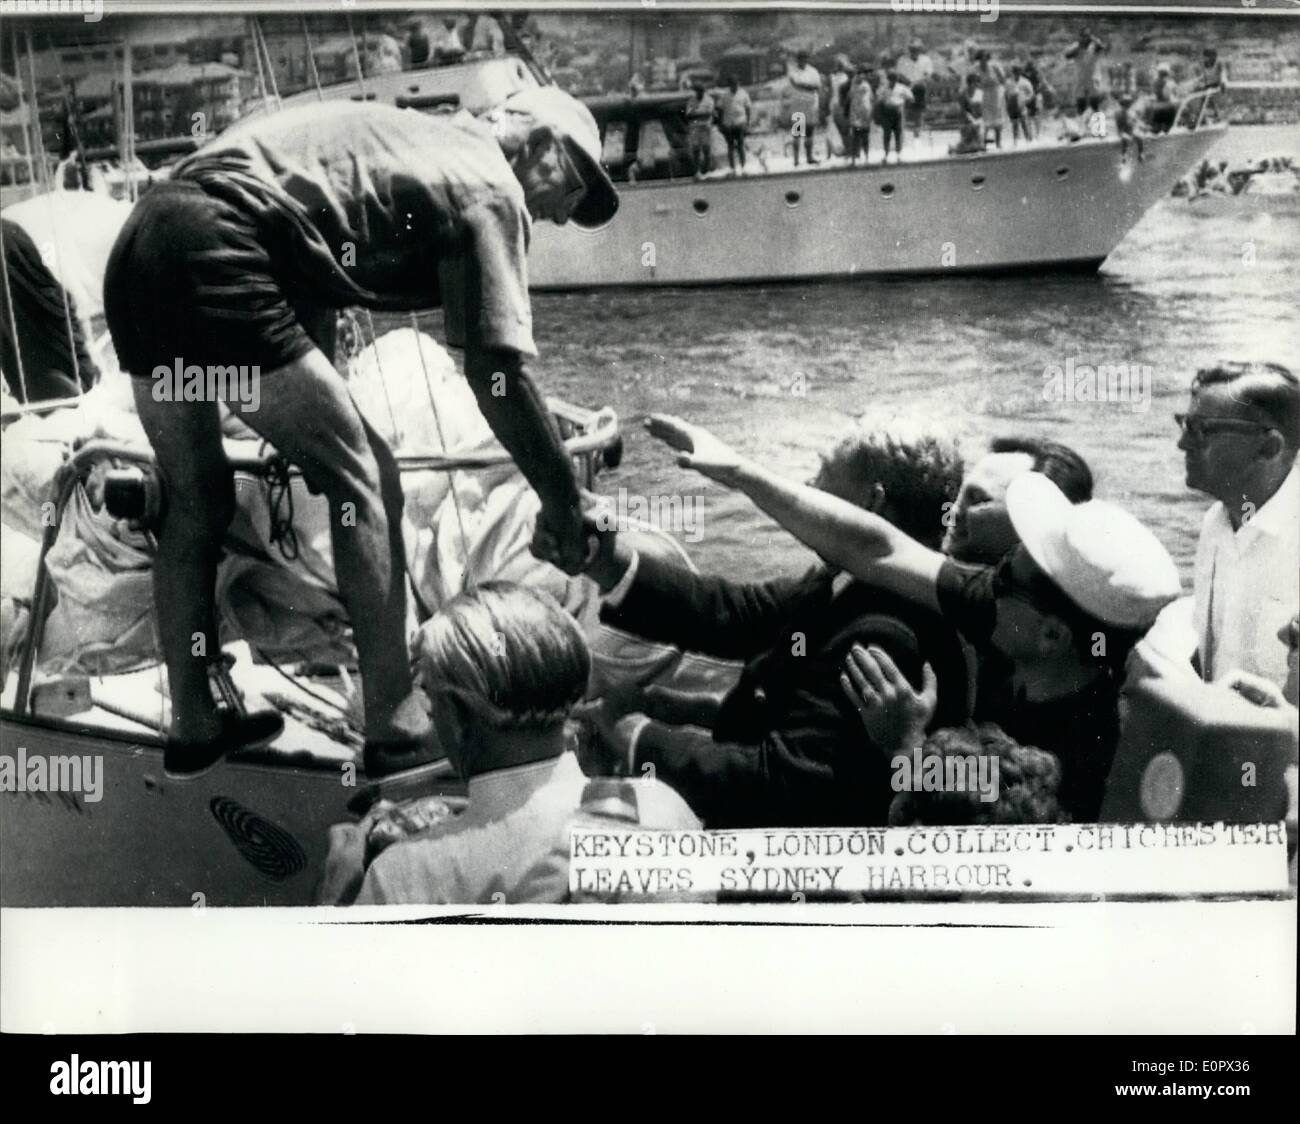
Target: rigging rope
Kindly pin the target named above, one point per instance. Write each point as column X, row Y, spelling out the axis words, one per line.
column 27, row 121
column 259, row 38
column 356, row 51
column 58, row 257
column 311, row 61
column 261, row 74
column 383, row 381
column 13, row 320
column 279, row 495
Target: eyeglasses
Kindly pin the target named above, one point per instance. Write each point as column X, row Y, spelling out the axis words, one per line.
column 1199, row 427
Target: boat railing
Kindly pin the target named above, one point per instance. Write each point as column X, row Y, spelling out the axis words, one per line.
column 591, row 438
column 1199, row 101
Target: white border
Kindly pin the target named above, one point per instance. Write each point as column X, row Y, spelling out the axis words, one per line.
column 1222, row 968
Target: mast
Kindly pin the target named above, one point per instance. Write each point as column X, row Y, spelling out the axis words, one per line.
column 126, row 129
column 27, row 117
column 34, row 115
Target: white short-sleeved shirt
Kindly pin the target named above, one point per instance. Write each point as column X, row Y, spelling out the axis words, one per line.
column 513, row 839
column 913, row 70
column 1246, row 585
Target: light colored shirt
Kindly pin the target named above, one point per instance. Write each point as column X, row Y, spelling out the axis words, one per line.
column 396, row 210
column 735, row 107
column 1089, row 79
column 913, row 70
column 488, row 36
column 806, row 77
column 700, row 112
column 861, row 102
column 806, row 82
column 512, row 840
column 899, row 95
column 446, row 39
column 1246, row 586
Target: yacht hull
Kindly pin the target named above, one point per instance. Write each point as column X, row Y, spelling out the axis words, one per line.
column 1031, row 209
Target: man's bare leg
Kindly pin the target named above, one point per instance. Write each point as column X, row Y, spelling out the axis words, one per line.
column 307, row 413
column 186, row 439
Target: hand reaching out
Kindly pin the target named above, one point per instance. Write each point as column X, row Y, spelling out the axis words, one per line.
column 698, row 447
column 894, row 715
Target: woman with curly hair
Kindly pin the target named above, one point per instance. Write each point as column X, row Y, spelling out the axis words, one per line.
column 1028, row 781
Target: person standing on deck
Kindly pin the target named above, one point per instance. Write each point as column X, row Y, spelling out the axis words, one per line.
column 1019, row 94
column 699, row 119
column 840, row 79
column 916, row 69
column 735, row 109
column 861, row 111
column 242, row 259
column 897, row 98
column 992, row 87
column 806, row 81
column 1214, row 71
column 446, row 43
column 971, row 103
column 1086, row 53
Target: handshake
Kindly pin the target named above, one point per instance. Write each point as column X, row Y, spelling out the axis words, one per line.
column 583, row 539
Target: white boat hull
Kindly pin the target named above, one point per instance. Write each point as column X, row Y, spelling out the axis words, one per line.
column 1036, row 208
column 245, row 834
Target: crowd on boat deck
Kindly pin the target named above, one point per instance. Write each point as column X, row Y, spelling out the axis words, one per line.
column 991, row 612
column 998, row 99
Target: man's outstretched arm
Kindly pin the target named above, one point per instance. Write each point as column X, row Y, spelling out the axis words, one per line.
column 519, row 417
column 867, row 546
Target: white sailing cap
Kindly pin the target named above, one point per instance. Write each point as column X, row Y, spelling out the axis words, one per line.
column 572, row 121
column 1101, row 557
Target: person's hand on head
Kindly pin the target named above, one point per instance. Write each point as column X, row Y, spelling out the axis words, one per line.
column 893, row 713
column 698, row 447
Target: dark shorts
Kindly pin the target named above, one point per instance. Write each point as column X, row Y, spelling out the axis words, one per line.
column 191, row 278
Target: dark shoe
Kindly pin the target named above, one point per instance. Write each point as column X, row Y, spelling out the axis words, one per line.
column 183, row 760
column 382, row 759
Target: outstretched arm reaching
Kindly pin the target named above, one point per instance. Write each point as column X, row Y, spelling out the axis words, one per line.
column 867, row 546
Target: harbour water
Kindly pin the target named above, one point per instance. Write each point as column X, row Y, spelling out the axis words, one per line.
column 782, row 372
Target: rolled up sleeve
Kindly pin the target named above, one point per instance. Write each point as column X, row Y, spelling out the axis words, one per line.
column 485, row 288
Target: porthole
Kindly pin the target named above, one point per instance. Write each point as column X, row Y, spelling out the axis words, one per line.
column 977, row 182
column 887, row 190
column 1062, row 172
column 792, row 198
column 700, row 205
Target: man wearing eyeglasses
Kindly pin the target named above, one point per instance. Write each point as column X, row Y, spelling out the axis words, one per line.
column 1239, row 440
column 243, row 258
